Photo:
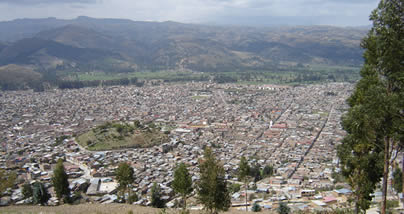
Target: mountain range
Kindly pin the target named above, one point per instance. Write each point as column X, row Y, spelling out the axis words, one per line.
column 117, row 44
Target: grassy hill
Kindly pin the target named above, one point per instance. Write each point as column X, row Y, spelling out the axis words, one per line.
column 117, row 135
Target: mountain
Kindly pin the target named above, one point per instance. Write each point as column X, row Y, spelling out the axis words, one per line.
column 87, row 44
column 35, row 51
column 15, row 77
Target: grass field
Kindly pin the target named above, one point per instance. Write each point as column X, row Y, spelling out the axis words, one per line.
column 284, row 75
column 111, row 136
column 144, row 75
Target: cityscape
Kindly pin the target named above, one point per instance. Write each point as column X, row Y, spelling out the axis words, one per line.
column 293, row 129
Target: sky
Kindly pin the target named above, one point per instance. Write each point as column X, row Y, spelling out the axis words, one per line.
column 222, row 12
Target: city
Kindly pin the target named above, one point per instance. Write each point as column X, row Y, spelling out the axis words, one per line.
column 294, row 129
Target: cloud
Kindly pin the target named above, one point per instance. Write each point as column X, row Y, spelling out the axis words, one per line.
column 343, row 12
column 37, row 2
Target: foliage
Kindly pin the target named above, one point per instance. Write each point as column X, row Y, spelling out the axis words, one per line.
column 392, row 204
column 118, row 135
column 133, row 198
column 156, row 200
column 27, row 190
column 243, row 169
column 7, row 180
column 76, row 196
column 182, row 182
column 59, row 140
column 125, row 177
column 212, row 191
column 243, row 173
column 60, row 182
column 337, row 176
column 255, row 172
column 234, row 187
column 268, row 171
column 374, row 122
column 398, row 180
column 40, row 194
column 283, row 208
column 256, row 207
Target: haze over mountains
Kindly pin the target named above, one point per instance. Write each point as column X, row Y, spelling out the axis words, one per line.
column 88, row 44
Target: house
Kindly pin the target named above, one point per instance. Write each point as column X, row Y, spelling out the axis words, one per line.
column 330, row 200
column 308, row 192
column 341, row 192
column 94, row 187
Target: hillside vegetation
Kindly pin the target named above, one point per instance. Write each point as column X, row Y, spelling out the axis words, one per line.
column 117, row 135
column 69, row 48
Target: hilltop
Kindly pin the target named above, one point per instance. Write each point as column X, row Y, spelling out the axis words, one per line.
column 122, row 135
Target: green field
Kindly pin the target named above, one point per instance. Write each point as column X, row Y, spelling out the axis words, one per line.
column 283, row 75
column 144, row 75
column 110, row 136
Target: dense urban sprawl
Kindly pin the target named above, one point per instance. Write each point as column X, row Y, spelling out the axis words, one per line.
column 294, row 129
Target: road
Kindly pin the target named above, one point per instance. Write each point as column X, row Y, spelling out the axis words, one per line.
column 312, row 144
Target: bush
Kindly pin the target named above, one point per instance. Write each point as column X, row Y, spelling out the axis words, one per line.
column 256, row 207
column 283, row 208
column 156, row 200
column 392, row 204
column 27, row 190
column 233, row 187
column 133, row 198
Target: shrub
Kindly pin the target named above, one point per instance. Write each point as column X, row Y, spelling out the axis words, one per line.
column 256, row 207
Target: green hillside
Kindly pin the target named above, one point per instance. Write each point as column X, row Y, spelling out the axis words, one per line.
column 110, row 136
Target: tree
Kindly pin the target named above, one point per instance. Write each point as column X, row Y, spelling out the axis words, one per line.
column 40, row 194
column 60, row 182
column 212, row 186
column 361, row 162
column 7, row 180
column 27, row 190
column 156, row 200
column 234, row 187
column 256, row 207
column 268, row 171
column 398, row 180
column 125, row 177
column 255, row 172
column 283, row 208
column 375, row 119
column 182, row 183
column 243, row 172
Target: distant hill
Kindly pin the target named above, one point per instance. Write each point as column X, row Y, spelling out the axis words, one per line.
column 14, row 77
column 35, row 51
column 117, row 45
column 2, row 46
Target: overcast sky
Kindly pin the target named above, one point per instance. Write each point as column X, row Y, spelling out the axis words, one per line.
column 244, row 12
